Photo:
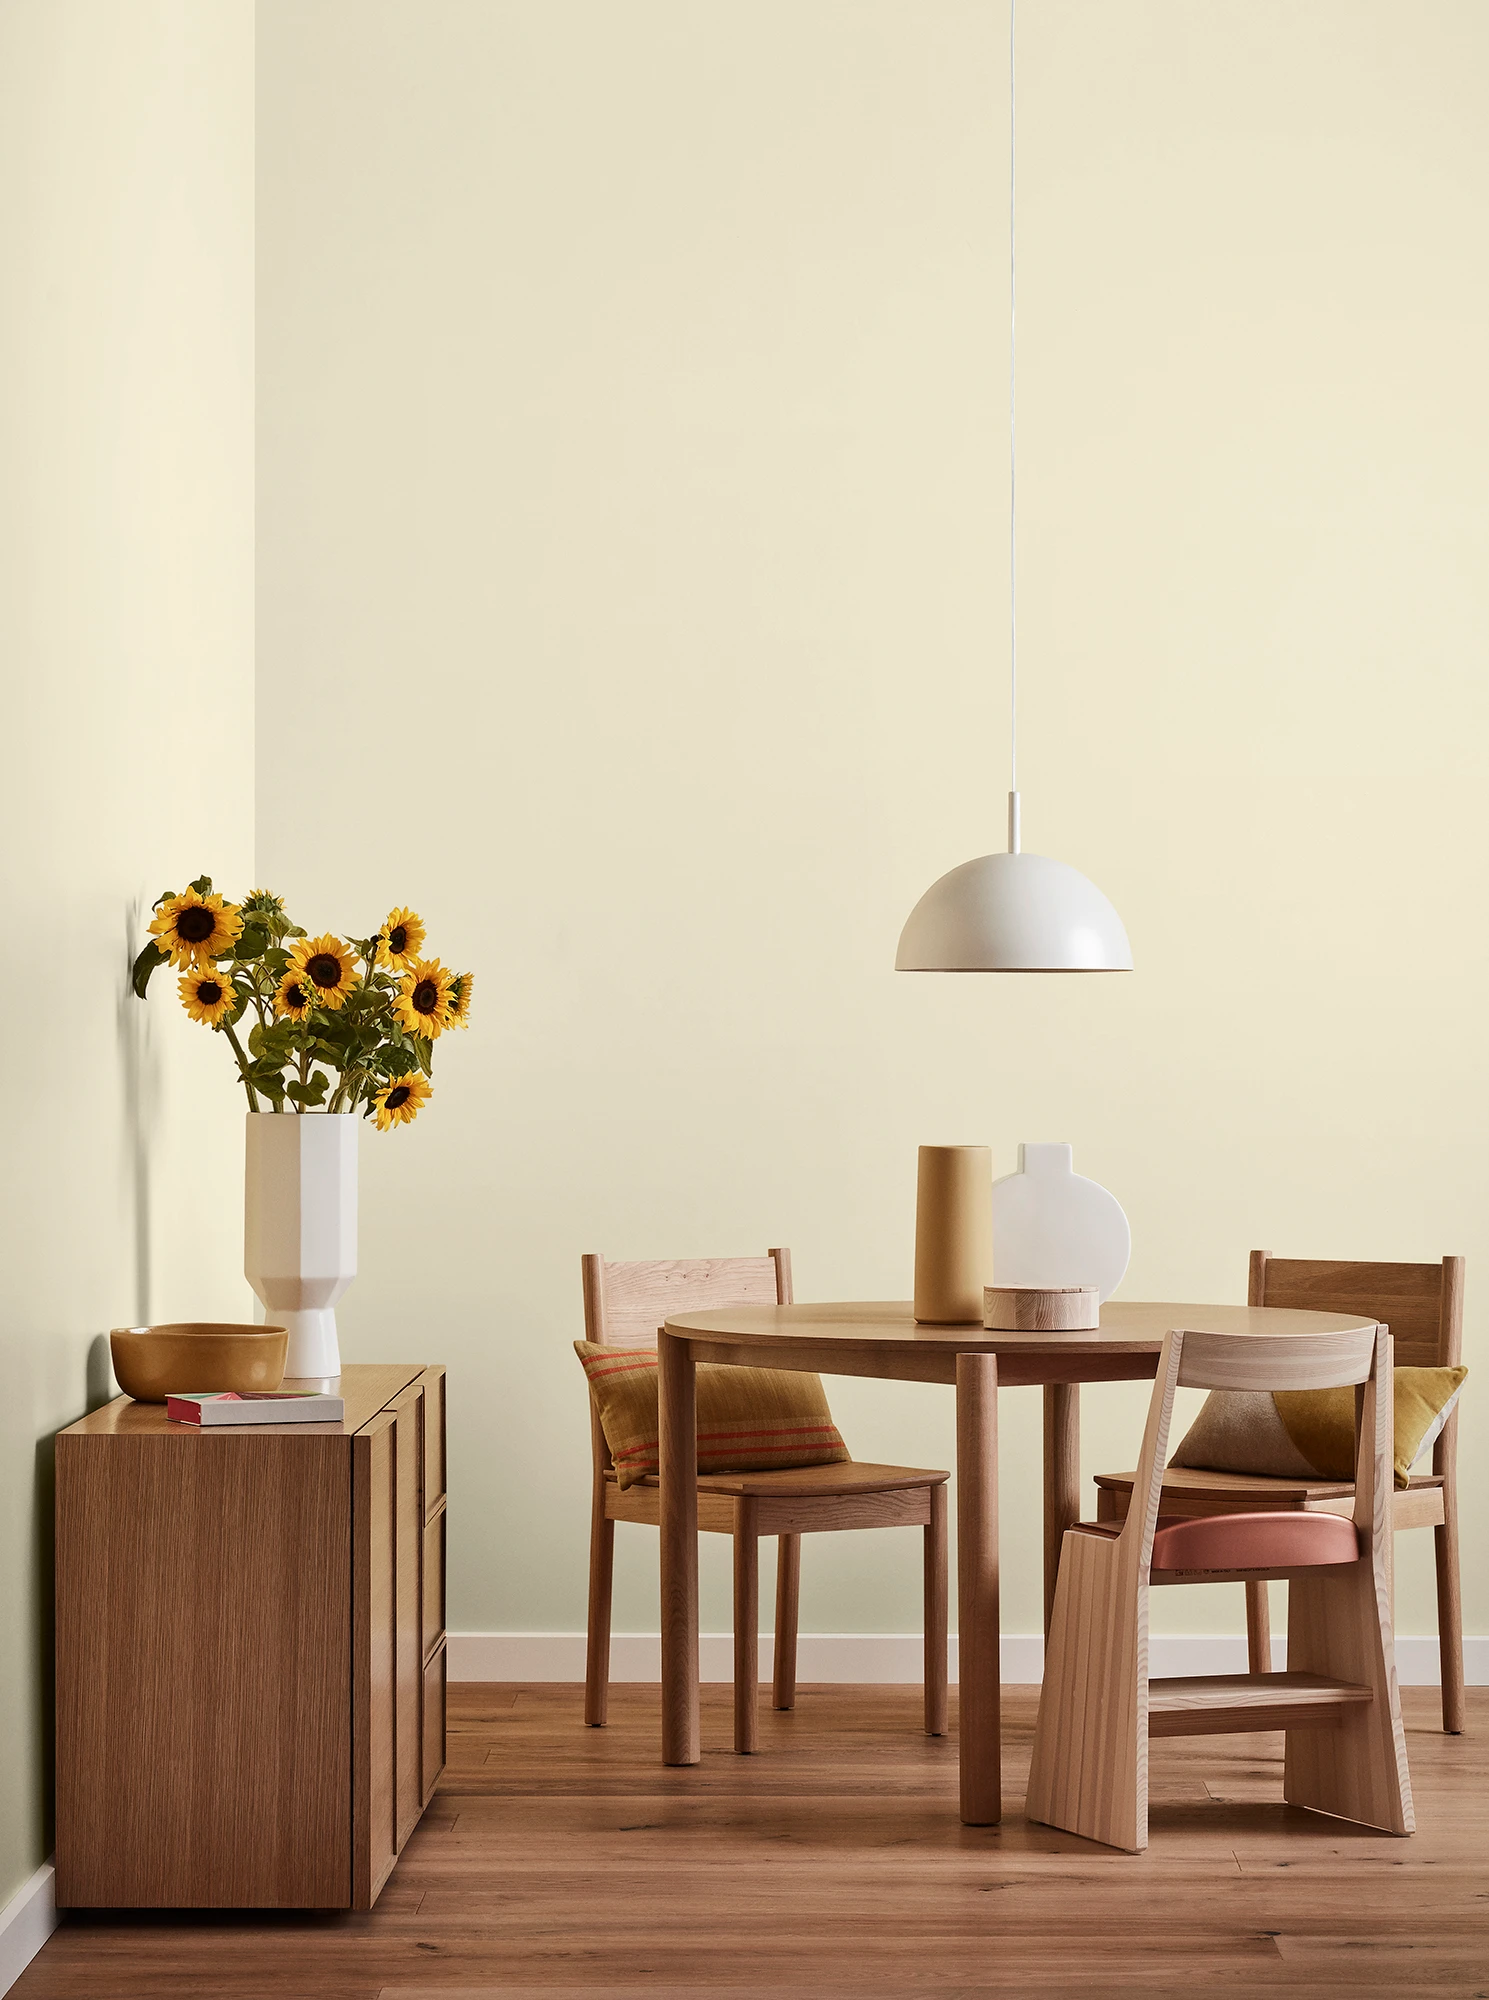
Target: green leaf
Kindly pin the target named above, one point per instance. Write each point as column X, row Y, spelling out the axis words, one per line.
column 252, row 943
column 397, row 1062
column 202, row 885
column 256, row 1040
column 312, row 1092
column 426, row 1054
column 145, row 964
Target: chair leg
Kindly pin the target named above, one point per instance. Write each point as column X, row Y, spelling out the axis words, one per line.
column 1258, row 1629
column 936, row 1599
column 1339, row 1625
column 1450, row 1613
column 746, row 1626
column 788, row 1592
column 597, row 1642
column 1089, row 1771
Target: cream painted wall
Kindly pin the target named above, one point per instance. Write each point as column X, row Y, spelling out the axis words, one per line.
column 126, row 635
column 632, row 601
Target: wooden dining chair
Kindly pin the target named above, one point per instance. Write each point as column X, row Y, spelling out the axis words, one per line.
column 1422, row 1305
column 1337, row 1702
column 624, row 1306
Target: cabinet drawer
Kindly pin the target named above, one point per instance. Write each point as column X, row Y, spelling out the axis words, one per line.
column 434, row 1723
column 434, row 1582
column 434, row 1437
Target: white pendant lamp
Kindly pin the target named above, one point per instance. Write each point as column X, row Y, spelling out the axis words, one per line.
column 1013, row 912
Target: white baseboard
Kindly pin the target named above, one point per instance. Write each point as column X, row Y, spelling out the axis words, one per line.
column 879, row 1656
column 26, row 1922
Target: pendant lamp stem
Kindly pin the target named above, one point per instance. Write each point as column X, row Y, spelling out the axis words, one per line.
column 1013, row 822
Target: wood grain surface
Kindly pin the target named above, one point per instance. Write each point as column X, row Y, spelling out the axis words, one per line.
column 250, row 1665
column 194, row 1769
column 363, row 1390
column 559, row 1863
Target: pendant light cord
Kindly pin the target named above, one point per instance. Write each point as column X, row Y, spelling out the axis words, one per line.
column 1013, row 536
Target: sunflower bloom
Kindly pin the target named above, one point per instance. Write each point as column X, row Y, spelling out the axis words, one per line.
column 460, row 990
column 397, row 1103
column 326, row 966
column 423, row 1003
column 193, row 930
column 400, row 940
column 207, row 995
column 294, row 997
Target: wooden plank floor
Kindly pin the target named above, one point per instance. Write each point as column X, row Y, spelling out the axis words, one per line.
column 567, row 1863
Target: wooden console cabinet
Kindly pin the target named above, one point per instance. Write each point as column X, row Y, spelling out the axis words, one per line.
column 250, row 1651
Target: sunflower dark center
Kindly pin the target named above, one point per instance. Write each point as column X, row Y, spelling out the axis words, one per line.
column 398, row 940
column 209, row 993
column 296, row 996
column 324, row 970
column 195, row 925
column 399, row 1094
column 426, row 997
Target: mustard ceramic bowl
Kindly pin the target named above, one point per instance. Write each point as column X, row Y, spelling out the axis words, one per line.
column 153, row 1362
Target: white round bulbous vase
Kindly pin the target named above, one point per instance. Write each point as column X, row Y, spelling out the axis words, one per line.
column 300, row 1228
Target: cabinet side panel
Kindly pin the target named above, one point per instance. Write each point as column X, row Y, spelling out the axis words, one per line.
column 203, row 1671
column 408, row 1410
column 374, row 1805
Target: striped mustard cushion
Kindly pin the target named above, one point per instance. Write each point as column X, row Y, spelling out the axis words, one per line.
column 749, row 1419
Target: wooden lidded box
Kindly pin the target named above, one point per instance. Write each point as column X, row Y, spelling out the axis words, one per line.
column 250, row 1650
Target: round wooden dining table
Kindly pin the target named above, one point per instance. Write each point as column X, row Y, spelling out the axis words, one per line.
column 884, row 1340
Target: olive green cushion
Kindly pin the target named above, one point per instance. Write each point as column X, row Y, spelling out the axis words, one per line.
column 1310, row 1433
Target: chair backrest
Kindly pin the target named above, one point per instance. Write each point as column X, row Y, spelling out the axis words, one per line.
column 1328, row 1360
column 1422, row 1304
column 625, row 1304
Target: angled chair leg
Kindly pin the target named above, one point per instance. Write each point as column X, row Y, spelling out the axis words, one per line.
column 1338, row 1625
column 1089, row 1772
column 1450, row 1613
column 936, row 1600
column 746, row 1626
column 597, row 1641
column 1258, row 1629
column 788, row 1592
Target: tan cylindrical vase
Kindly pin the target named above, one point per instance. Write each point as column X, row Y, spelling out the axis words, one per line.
column 953, row 1234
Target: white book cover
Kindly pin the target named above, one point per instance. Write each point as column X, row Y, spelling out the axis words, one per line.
column 266, row 1406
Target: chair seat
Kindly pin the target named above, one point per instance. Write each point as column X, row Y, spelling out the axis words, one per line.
column 1185, row 1486
column 819, row 1480
column 1292, row 1540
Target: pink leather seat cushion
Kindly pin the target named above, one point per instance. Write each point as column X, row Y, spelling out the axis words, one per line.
column 1255, row 1541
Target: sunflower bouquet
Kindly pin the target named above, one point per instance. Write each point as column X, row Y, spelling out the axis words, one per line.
column 335, row 1023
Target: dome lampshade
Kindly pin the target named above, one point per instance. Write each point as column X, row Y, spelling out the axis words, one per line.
column 1013, row 913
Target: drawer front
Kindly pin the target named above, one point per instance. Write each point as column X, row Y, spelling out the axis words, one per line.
column 434, row 1438
column 434, row 1582
column 434, row 1723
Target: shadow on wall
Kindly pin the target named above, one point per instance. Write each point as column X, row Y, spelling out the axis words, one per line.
column 44, row 1624
column 139, row 1073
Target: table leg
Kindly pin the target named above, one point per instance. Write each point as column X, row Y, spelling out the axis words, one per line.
column 1062, row 1478
column 979, row 1691
column 678, row 1463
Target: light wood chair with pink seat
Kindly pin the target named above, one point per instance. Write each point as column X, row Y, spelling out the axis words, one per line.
column 1338, row 1700
column 1422, row 1306
column 624, row 1306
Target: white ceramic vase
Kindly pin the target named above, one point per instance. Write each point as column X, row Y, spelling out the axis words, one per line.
column 1053, row 1228
column 300, row 1228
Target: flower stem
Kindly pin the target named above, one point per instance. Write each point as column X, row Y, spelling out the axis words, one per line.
column 253, row 1103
